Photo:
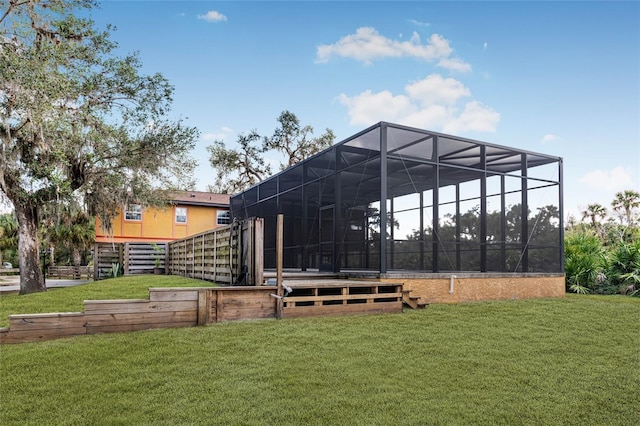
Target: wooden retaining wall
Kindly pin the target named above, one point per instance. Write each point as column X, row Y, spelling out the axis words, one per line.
column 165, row 308
column 238, row 303
column 188, row 307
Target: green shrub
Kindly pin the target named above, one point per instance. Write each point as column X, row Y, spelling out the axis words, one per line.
column 623, row 271
column 585, row 261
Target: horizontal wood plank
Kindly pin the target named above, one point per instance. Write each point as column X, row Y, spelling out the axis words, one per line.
column 46, row 321
column 170, row 295
column 359, row 308
column 24, row 336
column 343, row 297
column 117, row 308
column 141, row 318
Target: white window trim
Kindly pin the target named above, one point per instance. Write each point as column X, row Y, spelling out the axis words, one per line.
column 223, row 214
column 131, row 210
column 185, row 215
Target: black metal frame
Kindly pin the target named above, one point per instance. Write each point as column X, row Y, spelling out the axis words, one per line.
column 390, row 180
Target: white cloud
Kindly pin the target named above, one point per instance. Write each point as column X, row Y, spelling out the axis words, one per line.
column 368, row 108
column 454, row 64
column 434, row 103
column 475, row 117
column 367, row 45
column 221, row 135
column 419, row 23
column 435, row 89
column 213, row 16
column 485, row 45
column 612, row 180
column 549, row 137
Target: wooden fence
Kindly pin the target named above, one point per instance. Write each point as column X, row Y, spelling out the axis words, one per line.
column 130, row 258
column 142, row 258
column 70, row 272
column 229, row 255
column 105, row 257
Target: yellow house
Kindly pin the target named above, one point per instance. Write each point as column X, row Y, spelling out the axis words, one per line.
column 189, row 213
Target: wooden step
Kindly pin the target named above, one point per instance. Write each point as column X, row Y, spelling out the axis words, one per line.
column 414, row 302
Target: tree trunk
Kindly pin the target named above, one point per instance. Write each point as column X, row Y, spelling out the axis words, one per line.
column 76, row 256
column 31, row 278
column 52, row 256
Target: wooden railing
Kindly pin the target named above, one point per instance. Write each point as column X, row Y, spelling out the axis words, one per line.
column 340, row 297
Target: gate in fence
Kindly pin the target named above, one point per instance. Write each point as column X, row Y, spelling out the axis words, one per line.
column 111, row 259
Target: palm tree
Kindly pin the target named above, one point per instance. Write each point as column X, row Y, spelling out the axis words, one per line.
column 625, row 203
column 8, row 233
column 82, row 234
column 77, row 232
column 593, row 212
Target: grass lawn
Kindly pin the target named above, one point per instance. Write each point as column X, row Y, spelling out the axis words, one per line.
column 542, row 362
column 69, row 299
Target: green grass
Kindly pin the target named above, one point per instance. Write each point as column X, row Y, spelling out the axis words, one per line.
column 70, row 299
column 539, row 362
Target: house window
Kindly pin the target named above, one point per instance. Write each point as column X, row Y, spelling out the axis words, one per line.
column 134, row 212
column 181, row 215
column 224, row 217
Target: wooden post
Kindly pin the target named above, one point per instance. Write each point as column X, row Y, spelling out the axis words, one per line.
column 96, row 262
column 279, row 247
column 203, row 306
column 166, row 258
column 123, row 255
column 203, row 246
column 193, row 265
column 219, row 305
column 258, row 254
column 215, row 255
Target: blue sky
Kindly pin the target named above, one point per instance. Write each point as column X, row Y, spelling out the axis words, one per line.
column 561, row 78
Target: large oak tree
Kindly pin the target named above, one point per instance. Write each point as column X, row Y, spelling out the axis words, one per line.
column 239, row 168
column 79, row 122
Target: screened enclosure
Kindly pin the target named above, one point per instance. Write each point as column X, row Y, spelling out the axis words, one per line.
column 395, row 198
